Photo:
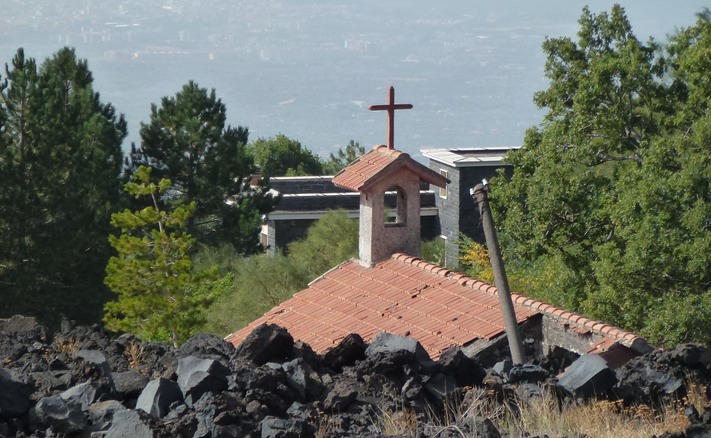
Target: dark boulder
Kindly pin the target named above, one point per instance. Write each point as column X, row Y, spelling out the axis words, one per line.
column 208, row 346
column 388, row 343
column 691, row 356
column 129, row 384
column 345, row 353
column 101, row 414
column 128, row 423
column 157, row 397
column 14, row 395
column 85, row 393
column 588, row 376
column 22, row 343
column 455, row 363
column 266, row 343
column 503, row 368
column 661, row 376
column 273, row 427
column 58, row 414
column 92, row 365
column 530, row 373
column 197, row 376
column 340, row 397
column 440, row 386
column 302, row 379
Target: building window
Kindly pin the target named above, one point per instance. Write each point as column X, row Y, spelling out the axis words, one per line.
column 395, row 203
column 443, row 190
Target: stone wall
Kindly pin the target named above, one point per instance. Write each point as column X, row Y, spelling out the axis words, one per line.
column 458, row 213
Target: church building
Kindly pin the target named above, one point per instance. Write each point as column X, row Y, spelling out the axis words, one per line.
column 388, row 288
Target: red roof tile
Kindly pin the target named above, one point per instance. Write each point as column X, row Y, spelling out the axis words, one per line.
column 370, row 167
column 404, row 295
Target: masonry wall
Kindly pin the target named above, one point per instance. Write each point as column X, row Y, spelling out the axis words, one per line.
column 283, row 232
column 448, row 213
column 469, row 219
column 458, row 213
column 378, row 240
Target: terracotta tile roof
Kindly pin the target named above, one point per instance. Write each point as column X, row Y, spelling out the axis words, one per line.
column 407, row 296
column 370, row 167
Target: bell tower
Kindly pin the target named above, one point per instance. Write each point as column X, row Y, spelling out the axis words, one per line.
column 389, row 184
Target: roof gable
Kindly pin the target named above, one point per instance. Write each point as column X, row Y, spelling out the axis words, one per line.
column 378, row 164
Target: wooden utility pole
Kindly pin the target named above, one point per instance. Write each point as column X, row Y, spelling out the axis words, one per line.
column 479, row 193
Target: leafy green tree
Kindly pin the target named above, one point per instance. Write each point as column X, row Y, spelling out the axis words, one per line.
column 343, row 158
column 612, row 192
column 433, row 251
column 250, row 287
column 188, row 142
column 282, row 156
column 255, row 284
column 158, row 297
column 329, row 241
column 60, row 166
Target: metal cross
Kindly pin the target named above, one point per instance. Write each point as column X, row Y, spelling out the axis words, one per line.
column 390, row 108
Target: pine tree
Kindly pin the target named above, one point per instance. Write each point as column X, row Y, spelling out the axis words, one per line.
column 61, row 165
column 158, row 296
column 188, row 142
column 343, row 158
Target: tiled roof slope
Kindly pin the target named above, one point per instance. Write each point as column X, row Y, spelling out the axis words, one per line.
column 406, row 296
column 370, row 167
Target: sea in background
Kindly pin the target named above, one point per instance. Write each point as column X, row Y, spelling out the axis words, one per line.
column 309, row 69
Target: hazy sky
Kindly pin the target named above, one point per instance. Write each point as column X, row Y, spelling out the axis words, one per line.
column 309, row 69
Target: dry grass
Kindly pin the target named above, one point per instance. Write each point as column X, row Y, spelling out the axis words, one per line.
column 60, row 345
column 542, row 416
column 599, row 419
column 323, row 425
column 398, row 423
column 602, row 418
column 134, row 353
column 66, row 345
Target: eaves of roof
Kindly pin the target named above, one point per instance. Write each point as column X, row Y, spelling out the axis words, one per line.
column 378, row 164
column 407, row 296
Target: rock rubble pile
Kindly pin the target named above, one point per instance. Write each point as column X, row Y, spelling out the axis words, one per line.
column 82, row 382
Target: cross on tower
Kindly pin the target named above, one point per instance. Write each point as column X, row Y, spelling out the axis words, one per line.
column 390, row 108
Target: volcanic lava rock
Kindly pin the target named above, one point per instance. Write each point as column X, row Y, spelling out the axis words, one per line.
column 467, row 371
column 197, row 376
column 157, row 397
column 14, row 395
column 208, row 346
column 346, row 353
column 60, row 415
column 589, row 375
column 85, row 383
column 129, row 384
column 661, row 376
column 528, row 372
column 266, row 343
column 85, row 394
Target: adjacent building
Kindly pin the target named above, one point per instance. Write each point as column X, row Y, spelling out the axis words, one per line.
column 457, row 212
